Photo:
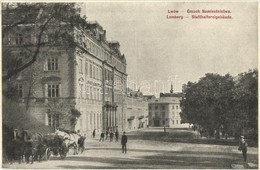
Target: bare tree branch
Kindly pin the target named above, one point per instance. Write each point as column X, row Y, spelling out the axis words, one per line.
column 36, row 52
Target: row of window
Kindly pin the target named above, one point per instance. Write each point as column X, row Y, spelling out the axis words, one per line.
column 30, row 38
column 26, row 38
column 176, row 114
column 95, row 72
column 156, row 107
column 156, row 122
column 53, row 90
column 176, row 122
column 93, row 93
column 163, row 107
column 99, row 52
column 51, row 63
column 22, row 39
column 53, row 120
column 156, row 115
column 90, row 121
column 91, row 70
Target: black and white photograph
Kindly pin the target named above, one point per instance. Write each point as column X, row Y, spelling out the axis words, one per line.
column 129, row 85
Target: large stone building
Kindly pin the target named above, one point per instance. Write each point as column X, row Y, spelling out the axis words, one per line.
column 72, row 88
column 165, row 111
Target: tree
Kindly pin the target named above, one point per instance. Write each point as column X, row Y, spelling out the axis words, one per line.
column 207, row 102
column 48, row 25
column 16, row 116
column 218, row 102
column 246, row 100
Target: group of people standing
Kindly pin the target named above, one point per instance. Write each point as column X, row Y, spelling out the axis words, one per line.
column 104, row 136
column 111, row 136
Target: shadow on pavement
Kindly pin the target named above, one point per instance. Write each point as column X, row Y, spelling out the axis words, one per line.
column 160, row 160
column 184, row 136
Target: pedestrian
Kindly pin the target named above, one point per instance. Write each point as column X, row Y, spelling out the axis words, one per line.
column 243, row 147
column 81, row 143
column 116, row 135
column 164, row 129
column 111, row 136
column 102, row 135
column 106, row 134
column 28, row 150
column 94, row 133
column 123, row 142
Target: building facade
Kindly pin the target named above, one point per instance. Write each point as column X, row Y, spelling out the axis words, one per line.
column 165, row 111
column 137, row 111
column 79, row 88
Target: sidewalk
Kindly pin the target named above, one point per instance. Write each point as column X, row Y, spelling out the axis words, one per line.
column 251, row 163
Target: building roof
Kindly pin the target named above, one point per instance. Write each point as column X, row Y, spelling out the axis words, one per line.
column 173, row 100
column 171, row 94
column 149, row 96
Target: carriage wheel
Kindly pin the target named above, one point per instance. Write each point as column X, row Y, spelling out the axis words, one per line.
column 47, row 154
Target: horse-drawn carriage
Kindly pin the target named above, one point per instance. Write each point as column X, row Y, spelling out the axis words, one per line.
column 55, row 146
column 27, row 145
column 22, row 144
column 35, row 146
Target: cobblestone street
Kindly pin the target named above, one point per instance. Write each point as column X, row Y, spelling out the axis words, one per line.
column 152, row 154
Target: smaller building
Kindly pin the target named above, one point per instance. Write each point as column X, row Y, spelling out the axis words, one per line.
column 137, row 110
column 165, row 111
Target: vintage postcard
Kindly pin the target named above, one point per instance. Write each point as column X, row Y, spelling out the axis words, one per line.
column 129, row 85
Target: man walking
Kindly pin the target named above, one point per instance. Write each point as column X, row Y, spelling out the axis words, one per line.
column 116, row 135
column 94, row 133
column 243, row 147
column 102, row 136
column 123, row 142
column 111, row 136
column 106, row 134
column 81, row 143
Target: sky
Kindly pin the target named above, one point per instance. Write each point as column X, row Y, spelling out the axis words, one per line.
column 161, row 51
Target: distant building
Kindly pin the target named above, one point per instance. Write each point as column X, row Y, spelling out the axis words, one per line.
column 137, row 110
column 165, row 111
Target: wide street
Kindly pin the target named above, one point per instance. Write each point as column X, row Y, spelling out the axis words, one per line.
column 153, row 149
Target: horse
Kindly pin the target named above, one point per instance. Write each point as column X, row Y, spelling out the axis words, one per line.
column 70, row 140
column 13, row 144
column 39, row 150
